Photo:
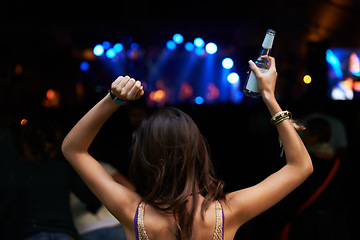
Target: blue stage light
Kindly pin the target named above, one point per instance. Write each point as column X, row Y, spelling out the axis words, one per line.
column 118, row 47
column 199, row 51
column 98, row 50
column 106, row 44
column 178, row 38
column 211, row 48
column 233, row 78
column 84, row 66
column 199, row 100
column 227, row 63
column 134, row 46
column 239, row 95
column 199, row 42
column 189, row 46
column 171, row 45
column 334, row 62
column 110, row 53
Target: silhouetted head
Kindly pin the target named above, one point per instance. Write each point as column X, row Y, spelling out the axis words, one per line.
column 170, row 163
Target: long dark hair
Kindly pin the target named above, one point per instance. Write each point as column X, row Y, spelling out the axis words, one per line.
column 170, row 163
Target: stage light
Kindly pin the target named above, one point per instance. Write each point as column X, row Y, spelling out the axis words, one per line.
column 134, row 46
column 199, row 51
column 227, row 63
column 239, row 95
column 178, row 38
column 50, row 94
column 98, row 50
column 110, row 53
column 106, row 44
column 211, row 48
column 23, row 122
column 118, row 47
column 233, row 78
column 199, row 42
column 199, row 100
column 189, row 46
column 84, row 66
column 171, row 45
column 307, row 79
column 334, row 62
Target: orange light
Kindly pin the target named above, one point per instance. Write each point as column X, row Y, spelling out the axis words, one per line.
column 158, row 95
column 50, row 94
column 23, row 122
column 52, row 99
column 307, row 79
column 348, row 83
column 357, row 86
column 186, row 91
column 18, row 69
column 88, row 54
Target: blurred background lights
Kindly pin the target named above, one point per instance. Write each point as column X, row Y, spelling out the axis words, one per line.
column 106, row 44
column 134, row 46
column 211, row 48
column 334, row 62
column 189, row 46
column 171, row 45
column 227, row 63
column 233, row 78
column 98, row 50
column 199, row 51
column 307, row 79
column 23, row 122
column 199, row 42
column 84, row 66
column 110, row 53
column 50, row 94
column 199, row 100
column 158, row 95
column 118, row 47
column 178, row 38
column 239, row 95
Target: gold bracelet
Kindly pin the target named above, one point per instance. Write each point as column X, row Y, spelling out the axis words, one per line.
column 280, row 116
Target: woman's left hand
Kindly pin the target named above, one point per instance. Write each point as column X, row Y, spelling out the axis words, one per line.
column 126, row 88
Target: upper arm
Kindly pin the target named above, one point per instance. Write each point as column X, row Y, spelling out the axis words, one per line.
column 119, row 200
column 246, row 204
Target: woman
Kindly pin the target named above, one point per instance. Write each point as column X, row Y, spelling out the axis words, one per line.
column 173, row 173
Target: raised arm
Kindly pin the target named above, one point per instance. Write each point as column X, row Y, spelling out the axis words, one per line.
column 75, row 149
column 245, row 204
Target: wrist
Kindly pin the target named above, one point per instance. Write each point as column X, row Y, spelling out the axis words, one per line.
column 268, row 96
column 271, row 103
column 115, row 98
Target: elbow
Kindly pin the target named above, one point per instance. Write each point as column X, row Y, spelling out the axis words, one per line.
column 66, row 149
column 308, row 168
column 71, row 150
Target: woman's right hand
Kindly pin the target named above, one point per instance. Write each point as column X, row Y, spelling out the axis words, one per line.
column 126, row 88
column 266, row 80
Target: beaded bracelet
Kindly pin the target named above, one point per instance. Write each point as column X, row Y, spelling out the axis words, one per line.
column 280, row 116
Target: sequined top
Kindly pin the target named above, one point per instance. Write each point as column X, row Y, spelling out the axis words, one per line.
column 141, row 234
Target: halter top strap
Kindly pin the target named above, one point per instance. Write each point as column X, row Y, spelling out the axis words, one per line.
column 140, row 231
column 141, row 234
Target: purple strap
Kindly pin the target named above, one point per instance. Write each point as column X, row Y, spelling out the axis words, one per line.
column 136, row 223
column 223, row 221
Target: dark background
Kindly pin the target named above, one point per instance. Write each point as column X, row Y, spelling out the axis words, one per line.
column 48, row 44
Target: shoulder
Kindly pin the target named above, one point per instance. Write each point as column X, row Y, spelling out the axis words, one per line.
column 124, row 205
